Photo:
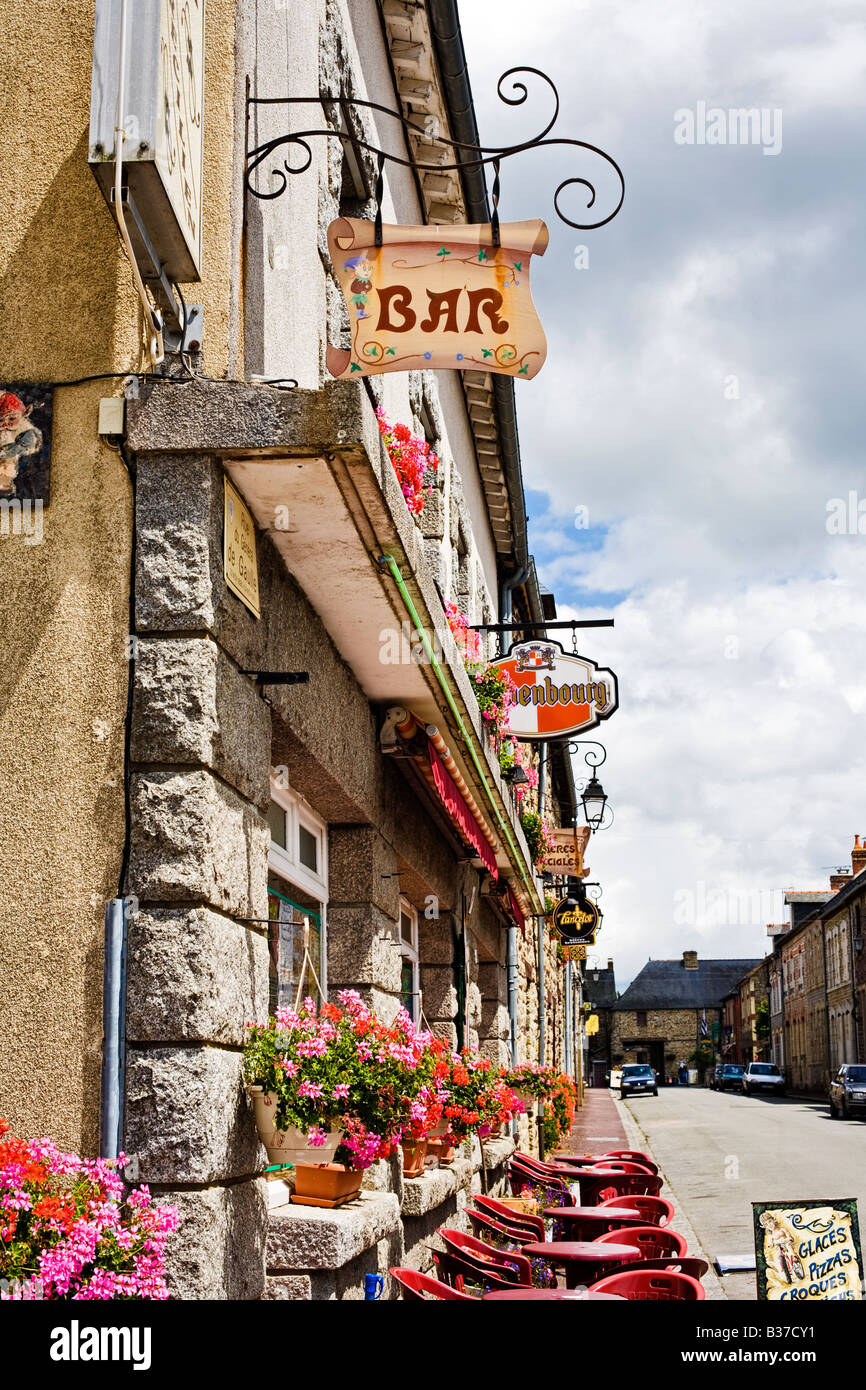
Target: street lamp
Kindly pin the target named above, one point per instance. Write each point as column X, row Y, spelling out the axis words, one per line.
column 594, row 801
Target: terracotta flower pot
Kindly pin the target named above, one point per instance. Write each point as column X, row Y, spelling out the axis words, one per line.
column 442, row 1151
column 288, row 1145
column 414, row 1153
column 325, row 1184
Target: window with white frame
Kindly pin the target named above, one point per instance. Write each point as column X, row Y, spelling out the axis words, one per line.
column 409, row 964
column 297, row 899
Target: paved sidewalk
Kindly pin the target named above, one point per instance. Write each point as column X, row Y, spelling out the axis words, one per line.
column 597, row 1125
column 604, row 1123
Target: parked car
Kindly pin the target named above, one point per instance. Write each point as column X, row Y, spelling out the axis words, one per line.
column 765, row 1078
column 636, row 1077
column 729, row 1077
column 848, row 1091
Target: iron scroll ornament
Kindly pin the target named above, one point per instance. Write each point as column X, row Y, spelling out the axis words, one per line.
column 487, row 154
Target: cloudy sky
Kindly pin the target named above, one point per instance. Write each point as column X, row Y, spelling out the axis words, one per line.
column 703, row 400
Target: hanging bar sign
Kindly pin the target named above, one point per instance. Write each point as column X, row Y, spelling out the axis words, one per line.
column 556, row 693
column 434, row 297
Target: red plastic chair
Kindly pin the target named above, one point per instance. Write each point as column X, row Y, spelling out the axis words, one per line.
column 519, row 1231
column 632, row 1156
column 656, row 1211
column 651, row 1286
column 652, row 1242
column 692, row 1265
column 619, row 1165
column 626, row 1185
column 486, row 1256
column 522, row 1179
column 460, row 1274
column 554, row 1170
column 484, row 1225
column 423, row 1288
column 509, row 1217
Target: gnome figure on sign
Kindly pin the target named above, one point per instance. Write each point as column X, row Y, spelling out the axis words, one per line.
column 19, row 440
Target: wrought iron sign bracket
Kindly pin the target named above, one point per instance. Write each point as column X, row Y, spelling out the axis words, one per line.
column 466, row 156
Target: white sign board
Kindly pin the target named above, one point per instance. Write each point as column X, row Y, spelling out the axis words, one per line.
column 163, row 120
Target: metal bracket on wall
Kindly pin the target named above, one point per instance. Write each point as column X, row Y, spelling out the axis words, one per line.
column 183, row 322
column 467, row 156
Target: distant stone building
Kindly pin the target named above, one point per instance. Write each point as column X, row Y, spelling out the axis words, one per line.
column 670, row 1007
column 754, row 991
column 599, row 992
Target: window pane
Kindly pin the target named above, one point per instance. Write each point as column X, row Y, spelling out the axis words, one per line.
column 407, row 987
column 277, row 823
column 286, row 943
column 406, row 928
column 308, row 849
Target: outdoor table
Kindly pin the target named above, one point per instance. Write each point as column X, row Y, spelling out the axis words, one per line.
column 582, row 1217
column 582, row 1259
column 550, row 1294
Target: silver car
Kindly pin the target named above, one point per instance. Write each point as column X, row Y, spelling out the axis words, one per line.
column 763, row 1078
column 848, row 1091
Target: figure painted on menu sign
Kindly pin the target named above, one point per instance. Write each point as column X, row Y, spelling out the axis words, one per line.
column 780, row 1241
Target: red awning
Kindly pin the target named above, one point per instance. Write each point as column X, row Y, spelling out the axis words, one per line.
column 516, row 910
column 452, row 800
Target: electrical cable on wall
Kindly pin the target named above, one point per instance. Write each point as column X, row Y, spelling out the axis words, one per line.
column 155, row 349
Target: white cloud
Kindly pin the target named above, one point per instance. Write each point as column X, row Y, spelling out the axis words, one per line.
column 702, row 398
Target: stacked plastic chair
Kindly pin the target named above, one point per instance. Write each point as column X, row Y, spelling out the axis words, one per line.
column 652, row 1286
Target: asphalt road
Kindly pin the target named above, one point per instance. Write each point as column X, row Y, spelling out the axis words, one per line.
column 720, row 1152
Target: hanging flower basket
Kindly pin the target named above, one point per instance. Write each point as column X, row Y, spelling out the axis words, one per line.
column 289, row 1145
column 528, row 1099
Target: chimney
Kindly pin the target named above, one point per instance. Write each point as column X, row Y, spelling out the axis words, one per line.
column 838, row 881
column 609, row 963
column 858, row 856
column 690, row 960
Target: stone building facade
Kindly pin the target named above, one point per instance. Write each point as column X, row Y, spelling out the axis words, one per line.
column 225, row 808
column 669, row 1008
column 754, row 1035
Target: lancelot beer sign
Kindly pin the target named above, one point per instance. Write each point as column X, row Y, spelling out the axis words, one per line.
column 576, row 921
column 437, row 297
column 556, row 693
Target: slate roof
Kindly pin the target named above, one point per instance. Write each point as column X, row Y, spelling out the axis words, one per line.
column 601, row 993
column 666, row 984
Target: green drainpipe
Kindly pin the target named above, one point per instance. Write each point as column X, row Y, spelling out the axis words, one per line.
column 464, row 733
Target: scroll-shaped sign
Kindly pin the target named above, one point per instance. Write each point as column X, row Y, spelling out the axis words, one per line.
column 808, row 1250
column 576, row 921
column 437, row 297
column 566, row 856
column 556, row 693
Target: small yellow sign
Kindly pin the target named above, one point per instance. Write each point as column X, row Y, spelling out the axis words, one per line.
column 239, row 550
column 572, row 952
column 591, row 1025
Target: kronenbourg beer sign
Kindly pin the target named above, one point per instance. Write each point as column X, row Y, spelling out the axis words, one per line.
column 437, row 297
column 557, row 693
